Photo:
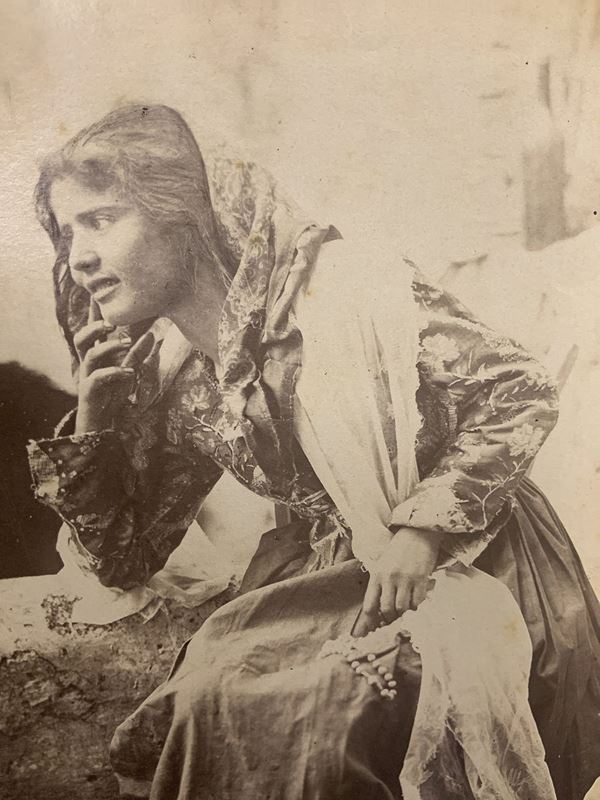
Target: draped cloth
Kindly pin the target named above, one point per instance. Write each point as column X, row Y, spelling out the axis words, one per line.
column 474, row 644
column 360, row 346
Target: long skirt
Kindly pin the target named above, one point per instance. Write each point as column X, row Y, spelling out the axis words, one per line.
column 251, row 712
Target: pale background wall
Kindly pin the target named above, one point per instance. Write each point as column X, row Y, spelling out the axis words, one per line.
column 417, row 121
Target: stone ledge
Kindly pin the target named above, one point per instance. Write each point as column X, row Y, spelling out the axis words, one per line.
column 64, row 687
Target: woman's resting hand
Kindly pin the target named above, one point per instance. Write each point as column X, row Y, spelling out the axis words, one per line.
column 401, row 578
column 107, row 373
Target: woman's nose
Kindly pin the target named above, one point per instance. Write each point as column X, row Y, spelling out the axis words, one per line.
column 82, row 257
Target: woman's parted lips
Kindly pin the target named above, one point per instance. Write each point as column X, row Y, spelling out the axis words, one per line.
column 100, row 284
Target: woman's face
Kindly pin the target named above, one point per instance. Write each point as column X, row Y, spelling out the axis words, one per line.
column 125, row 261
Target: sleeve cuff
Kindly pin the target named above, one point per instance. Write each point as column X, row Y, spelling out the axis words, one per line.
column 56, row 463
column 436, row 507
column 433, row 506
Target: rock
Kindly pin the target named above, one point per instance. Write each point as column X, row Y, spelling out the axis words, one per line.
column 65, row 686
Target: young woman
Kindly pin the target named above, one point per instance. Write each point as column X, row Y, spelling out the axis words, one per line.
column 213, row 327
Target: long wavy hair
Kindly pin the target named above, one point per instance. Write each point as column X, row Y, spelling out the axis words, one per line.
column 148, row 154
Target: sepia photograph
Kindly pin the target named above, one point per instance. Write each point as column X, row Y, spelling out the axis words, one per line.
column 300, row 366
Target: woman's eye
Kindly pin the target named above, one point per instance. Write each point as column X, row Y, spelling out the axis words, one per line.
column 101, row 223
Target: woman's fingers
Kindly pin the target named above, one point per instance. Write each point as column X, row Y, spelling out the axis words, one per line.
column 102, row 394
column 364, row 624
column 104, row 354
column 103, row 386
column 112, row 373
column 369, row 615
column 113, row 376
column 94, row 313
column 387, row 599
column 419, row 593
column 372, row 595
column 94, row 352
column 89, row 335
column 387, row 602
column 403, row 596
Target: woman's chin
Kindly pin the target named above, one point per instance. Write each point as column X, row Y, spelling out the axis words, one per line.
column 119, row 317
column 118, row 320
column 127, row 317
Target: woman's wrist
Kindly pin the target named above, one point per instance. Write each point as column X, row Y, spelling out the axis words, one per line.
column 432, row 536
column 91, row 423
column 414, row 550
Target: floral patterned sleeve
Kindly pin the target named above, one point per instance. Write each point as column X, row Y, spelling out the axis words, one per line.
column 128, row 496
column 497, row 405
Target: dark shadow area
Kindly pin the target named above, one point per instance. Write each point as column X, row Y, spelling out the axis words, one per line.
column 30, row 407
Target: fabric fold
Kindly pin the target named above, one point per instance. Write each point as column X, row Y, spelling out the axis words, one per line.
column 473, row 641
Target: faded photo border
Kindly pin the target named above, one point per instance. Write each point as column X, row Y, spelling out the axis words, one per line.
column 462, row 136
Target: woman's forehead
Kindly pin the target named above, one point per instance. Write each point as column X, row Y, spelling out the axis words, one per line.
column 70, row 198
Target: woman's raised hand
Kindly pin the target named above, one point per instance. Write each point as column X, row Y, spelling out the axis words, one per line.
column 400, row 579
column 107, row 373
